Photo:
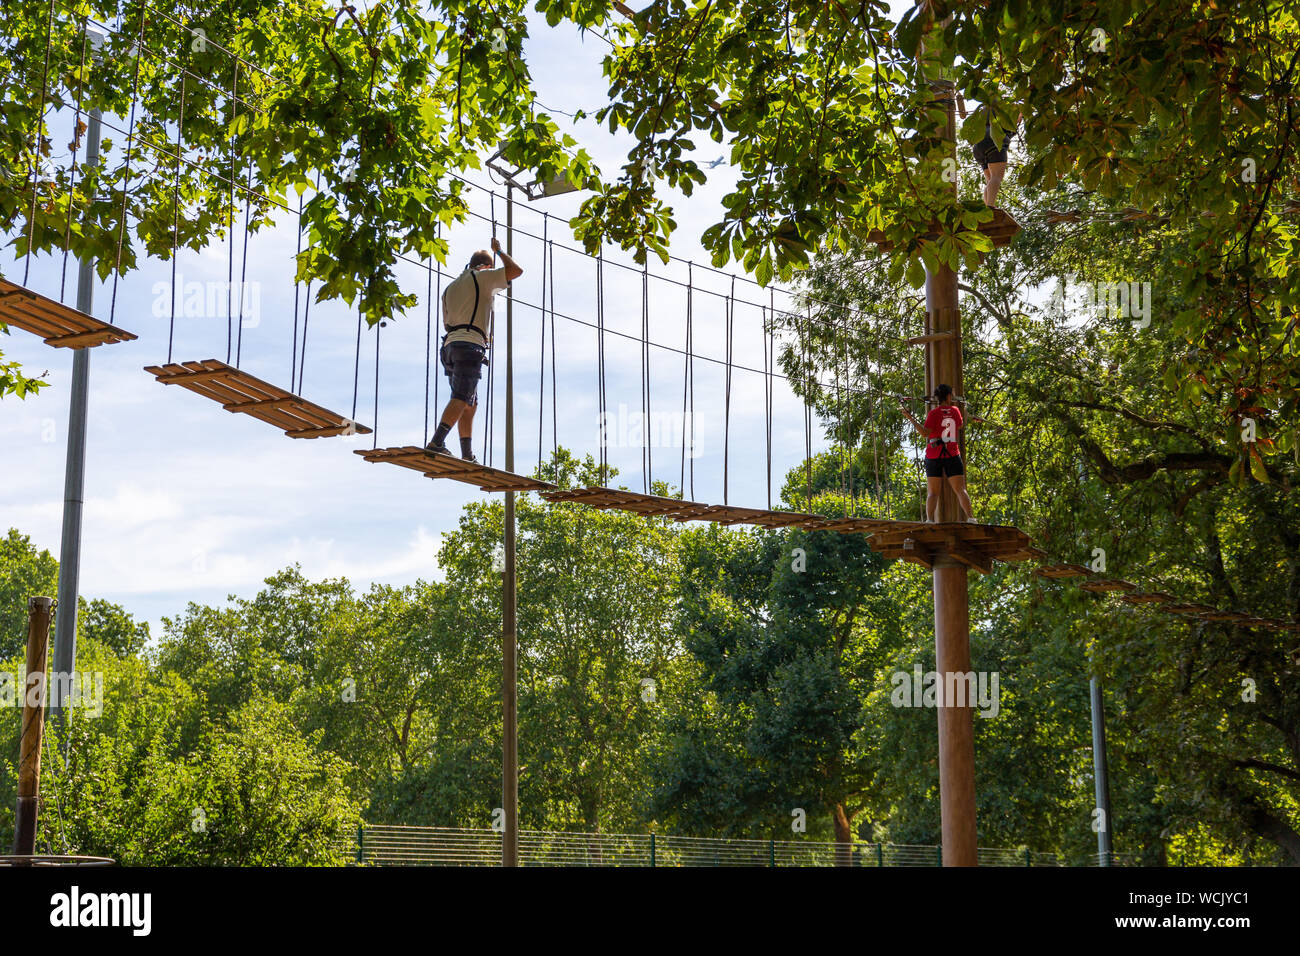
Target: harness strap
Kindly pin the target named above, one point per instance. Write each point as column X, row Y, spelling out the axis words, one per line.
column 472, row 316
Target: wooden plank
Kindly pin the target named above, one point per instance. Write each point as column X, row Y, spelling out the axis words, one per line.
column 1146, row 597
column 1108, row 584
column 1185, row 609
column 20, row 316
column 445, row 466
column 225, row 391
column 1225, row 616
column 1062, row 571
column 193, row 378
column 350, row 428
column 932, row 337
column 73, row 340
column 237, row 391
column 61, row 326
column 303, row 419
column 262, row 403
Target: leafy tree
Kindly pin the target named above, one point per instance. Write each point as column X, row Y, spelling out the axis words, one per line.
column 1092, row 442
column 401, row 687
column 790, row 630
column 594, row 624
column 24, row 573
column 386, row 108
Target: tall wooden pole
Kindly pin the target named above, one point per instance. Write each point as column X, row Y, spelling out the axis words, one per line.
column 509, row 675
column 943, row 364
column 39, row 610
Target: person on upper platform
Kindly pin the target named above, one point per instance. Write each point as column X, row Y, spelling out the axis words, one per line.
column 991, row 154
column 942, row 452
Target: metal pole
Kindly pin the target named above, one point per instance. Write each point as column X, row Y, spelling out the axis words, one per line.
column 509, row 685
column 74, row 478
column 29, row 760
column 1100, row 772
column 950, row 581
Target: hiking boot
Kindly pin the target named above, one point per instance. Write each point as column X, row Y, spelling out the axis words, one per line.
column 437, row 448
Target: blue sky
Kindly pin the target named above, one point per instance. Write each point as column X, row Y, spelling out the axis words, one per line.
column 185, row 502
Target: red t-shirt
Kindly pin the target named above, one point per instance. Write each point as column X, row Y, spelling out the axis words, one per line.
column 943, row 422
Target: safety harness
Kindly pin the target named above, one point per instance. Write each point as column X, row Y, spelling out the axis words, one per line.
column 472, row 316
column 442, row 349
column 942, row 445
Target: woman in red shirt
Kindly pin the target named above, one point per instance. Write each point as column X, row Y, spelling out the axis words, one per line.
column 942, row 452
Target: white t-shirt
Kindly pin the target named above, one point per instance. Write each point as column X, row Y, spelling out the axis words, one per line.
column 458, row 300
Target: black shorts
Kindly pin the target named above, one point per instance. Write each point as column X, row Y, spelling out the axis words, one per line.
column 463, row 362
column 948, row 466
column 986, row 151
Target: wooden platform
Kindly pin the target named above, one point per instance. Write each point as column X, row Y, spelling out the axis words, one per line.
column 447, row 466
column 237, row 391
column 1102, row 585
column 975, row 545
column 1160, row 600
column 1062, row 571
column 59, row 325
column 656, row 506
column 1001, row 229
column 1146, row 597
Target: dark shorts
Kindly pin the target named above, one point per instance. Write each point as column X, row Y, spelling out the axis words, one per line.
column 986, row 151
column 949, row 466
column 463, row 362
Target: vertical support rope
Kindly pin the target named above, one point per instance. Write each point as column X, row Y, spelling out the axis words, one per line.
column 126, row 181
column 176, row 229
column 686, row 360
column 541, row 363
column 487, row 412
column 807, row 406
column 230, row 218
column 726, row 425
column 428, row 344
column 690, row 359
column 72, row 162
column 490, row 412
column 437, row 379
column 293, row 355
column 40, row 136
column 243, row 268
column 356, row 369
column 768, row 383
column 374, row 426
column 306, row 315
column 600, row 363
column 843, row 396
column 555, row 370
column 646, row 460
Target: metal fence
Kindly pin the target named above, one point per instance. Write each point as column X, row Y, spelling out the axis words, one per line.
column 383, row 845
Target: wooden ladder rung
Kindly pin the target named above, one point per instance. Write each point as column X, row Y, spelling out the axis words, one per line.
column 932, row 337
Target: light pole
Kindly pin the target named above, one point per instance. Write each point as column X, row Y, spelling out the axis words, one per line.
column 74, row 478
column 509, row 595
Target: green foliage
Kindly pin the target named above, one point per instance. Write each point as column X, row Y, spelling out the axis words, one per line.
column 371, row 115
column 789, row 630
column 24, row 573
column 12, row 379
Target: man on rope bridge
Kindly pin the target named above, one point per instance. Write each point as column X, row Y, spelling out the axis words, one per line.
column 942, row 452
column 467, row 317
